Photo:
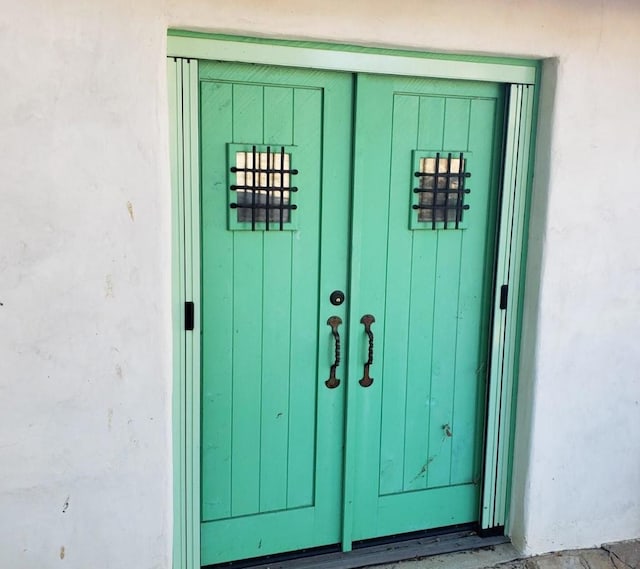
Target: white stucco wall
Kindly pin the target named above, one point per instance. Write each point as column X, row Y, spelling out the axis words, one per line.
column 85, row 362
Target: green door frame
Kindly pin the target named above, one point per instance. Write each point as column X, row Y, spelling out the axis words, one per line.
column 521, row 78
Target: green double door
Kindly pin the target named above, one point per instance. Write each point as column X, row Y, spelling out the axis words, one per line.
column 348, row 235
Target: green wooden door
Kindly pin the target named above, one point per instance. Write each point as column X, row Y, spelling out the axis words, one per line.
column 272, row 433
column 280, row 471
column 418, row 427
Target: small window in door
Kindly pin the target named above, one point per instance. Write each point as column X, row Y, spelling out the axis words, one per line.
column 438, row 201
column 260, row 188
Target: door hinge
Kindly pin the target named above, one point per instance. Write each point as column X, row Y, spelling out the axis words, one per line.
column 188, row 315
column 504, row 295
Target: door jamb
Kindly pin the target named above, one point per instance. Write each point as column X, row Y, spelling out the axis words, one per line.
column 185, row 178
column 522, row 78
column 508, row 296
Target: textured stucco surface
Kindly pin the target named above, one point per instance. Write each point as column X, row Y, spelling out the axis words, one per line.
column 85, row 356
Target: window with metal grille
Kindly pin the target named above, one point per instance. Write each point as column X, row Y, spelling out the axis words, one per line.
column 263, row 190
column 441, row 191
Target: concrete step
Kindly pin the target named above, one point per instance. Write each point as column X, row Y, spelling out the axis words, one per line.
column 619, row 555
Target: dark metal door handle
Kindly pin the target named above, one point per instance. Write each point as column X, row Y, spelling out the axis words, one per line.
column 333, row 381
column 367, row 320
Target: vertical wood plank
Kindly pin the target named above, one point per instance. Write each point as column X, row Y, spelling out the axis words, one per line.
column 443, row 357
column 247, row 326
column 304, row 302
column 456, row 124
column 275, row 370
column 276, row 322
column 336, row 171
column 475, row 292
column 278, row 115
column 445, row 317
column 369, row 242
column 423, row 262
column 398, row 304
column 431, row 132
column 217, row 310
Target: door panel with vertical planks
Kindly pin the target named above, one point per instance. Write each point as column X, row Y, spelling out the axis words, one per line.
column 426, row 276
column 271, row 431
column 400, row 213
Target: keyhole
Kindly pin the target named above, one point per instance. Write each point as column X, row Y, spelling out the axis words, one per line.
column 336, row 298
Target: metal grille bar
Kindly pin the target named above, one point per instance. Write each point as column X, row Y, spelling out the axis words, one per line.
column 257, row 183
column 441, row 193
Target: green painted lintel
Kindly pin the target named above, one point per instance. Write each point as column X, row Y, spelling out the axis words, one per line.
column 338, row 57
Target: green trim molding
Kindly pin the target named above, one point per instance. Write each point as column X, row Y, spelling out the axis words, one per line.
column 356, row 59
column 509, row 276
column 184, row 143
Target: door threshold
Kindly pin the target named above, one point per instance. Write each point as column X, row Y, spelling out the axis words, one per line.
column 376, row 552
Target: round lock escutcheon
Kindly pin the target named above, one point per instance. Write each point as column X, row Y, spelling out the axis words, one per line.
column 336, row 298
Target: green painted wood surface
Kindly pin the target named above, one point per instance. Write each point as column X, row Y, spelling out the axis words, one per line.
column 190, row 108
column 183, row 97
column 516, row 300
column 281, row 467
column 183, row 105
column 509, row 269
column 174, row 73
column 357, row 59
column 271, row 431
column 418, row 428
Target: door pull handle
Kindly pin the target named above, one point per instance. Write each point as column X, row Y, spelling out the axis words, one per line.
column 367, row 320
column 333, row 381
